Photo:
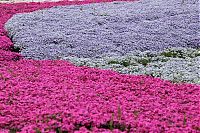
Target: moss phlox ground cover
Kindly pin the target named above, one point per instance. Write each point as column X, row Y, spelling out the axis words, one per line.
column 54, row 96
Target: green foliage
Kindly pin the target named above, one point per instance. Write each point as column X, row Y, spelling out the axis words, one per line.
column 180, row 53
column 13, row 130
column 136, row 113
column 184, row 120
column 144, row 61
column 77, row 126
column 16, row 49
column 119, row 113
column 58, row 130
column 1, row 76
column 104, row 14
column 172, row 54
column 37, row 130
column 113, row 62
column 53, row 116
column 111, row 122
column 197, row 53
column 124, row 63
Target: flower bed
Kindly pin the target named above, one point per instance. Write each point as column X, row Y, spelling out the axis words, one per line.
column 52, row 95
column 96, row 30
column 177, row 64
column 55, row 94
column 90, row 32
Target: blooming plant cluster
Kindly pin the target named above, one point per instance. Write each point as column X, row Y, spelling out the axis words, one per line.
column 57, row 96
column 83, row 34
column 175, row 64
column 52, row 95
column 102, row 29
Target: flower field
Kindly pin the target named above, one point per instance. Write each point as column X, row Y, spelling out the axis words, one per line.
column 130, row 42
column 44, row 91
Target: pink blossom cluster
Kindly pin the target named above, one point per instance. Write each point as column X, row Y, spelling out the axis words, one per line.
column 47, row 95
column 54, row 96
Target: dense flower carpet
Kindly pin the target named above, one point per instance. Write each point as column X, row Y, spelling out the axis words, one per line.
column 63, row 94
column 132, row 37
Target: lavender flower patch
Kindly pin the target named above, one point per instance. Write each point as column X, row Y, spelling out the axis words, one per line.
column 105, row 29
column 177, row 64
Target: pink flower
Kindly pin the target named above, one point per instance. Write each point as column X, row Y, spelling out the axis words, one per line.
column 56, row 94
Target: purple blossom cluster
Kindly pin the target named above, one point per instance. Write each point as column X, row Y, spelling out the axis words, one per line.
column 56, row 96
column 8, row 10
column 102, row 29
